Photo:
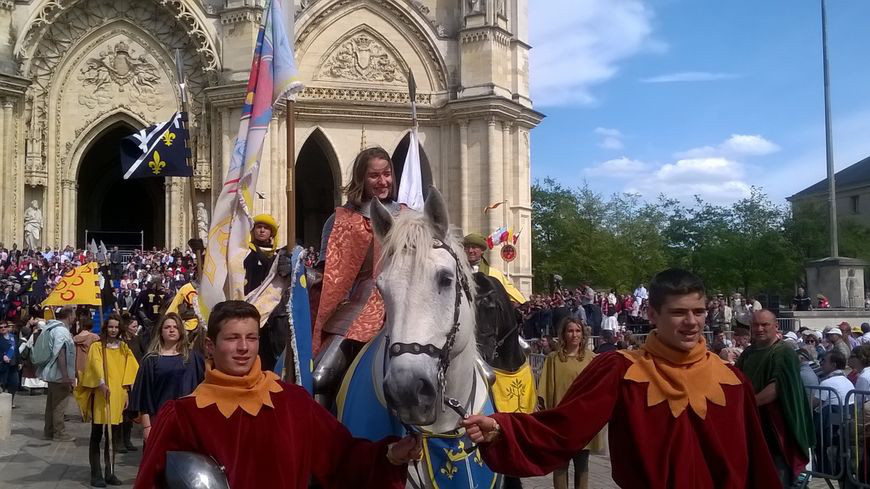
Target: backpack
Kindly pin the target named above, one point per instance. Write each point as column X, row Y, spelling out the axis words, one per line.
column 42, row 349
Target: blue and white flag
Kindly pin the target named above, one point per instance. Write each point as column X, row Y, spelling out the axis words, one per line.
column 160, row 150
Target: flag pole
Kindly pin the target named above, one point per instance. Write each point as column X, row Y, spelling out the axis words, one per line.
column 412, row 94
column 289, row 356
column 179, row 71
column 506, row 216
column 107, row 409
column 829, row 142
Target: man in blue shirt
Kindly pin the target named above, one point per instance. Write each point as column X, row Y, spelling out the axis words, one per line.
column 59, row 373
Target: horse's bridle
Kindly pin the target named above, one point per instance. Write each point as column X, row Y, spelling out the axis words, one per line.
column 443, row 353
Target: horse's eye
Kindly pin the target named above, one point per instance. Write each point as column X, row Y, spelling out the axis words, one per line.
column 445, row 279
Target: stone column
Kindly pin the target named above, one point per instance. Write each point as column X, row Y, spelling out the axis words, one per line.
column 74, row 222
column 464, row 196
column 226, row 143
column 508, row 169
column 9, row 169
column 5, row 167
column 494, row 174
column 67, row 226
column 167, row 203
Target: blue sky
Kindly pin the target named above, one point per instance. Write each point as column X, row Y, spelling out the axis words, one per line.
column 703, row 97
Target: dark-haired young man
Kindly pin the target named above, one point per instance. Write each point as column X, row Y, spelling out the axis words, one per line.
column 264, row 432
column 679, row 417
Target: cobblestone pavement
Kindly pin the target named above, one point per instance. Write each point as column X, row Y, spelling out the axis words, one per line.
column 28, row 461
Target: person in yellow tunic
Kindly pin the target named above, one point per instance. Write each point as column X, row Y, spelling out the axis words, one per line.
column 560, row 369
column 97, row 385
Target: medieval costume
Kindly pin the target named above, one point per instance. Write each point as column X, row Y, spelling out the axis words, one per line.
column 350, row 310
column 678, row 420
column 266, row 433
column 258, row 264
column 556, row 379
column 163, row 378
column 119, row 374
column 350, row 305
column 787, row 421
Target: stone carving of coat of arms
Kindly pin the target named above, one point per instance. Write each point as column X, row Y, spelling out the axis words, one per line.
column 362, row 58
column 117, row 70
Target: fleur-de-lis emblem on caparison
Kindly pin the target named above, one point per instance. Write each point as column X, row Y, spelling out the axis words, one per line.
column 156, row 164
column 168, row 137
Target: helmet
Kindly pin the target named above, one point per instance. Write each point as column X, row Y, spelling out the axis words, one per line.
column 268, row 221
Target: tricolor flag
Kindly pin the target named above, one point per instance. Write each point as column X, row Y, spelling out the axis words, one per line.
column 273, row 76
column 160, row 150
column 498, row 237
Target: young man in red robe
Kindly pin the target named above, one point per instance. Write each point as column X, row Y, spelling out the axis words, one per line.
column 266, row 433
column 679, row 417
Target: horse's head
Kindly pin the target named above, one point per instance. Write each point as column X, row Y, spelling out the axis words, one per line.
column 497, row 328
column 424, row 281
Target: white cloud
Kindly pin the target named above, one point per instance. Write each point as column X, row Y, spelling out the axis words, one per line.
column 690, row 76
column 716, row 173
column 749, row 145
column 717, row 180
column 610, row 138
column 737, row 146
column 617, row 168
column 578, row 44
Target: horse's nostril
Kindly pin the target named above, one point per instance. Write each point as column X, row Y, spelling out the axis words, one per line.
column 425, row 391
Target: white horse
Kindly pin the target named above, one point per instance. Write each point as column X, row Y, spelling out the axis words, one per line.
column 427, row 354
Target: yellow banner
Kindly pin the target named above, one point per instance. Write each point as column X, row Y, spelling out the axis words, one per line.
column 79, row 286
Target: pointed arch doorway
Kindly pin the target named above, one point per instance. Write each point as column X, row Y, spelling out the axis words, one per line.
column 117, row 211
column 316, row 188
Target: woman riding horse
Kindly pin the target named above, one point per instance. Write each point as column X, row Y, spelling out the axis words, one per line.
column 350, row 311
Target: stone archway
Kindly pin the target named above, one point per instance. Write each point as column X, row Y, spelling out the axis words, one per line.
column 399, row 156
column 316, row 188
column 112, row 209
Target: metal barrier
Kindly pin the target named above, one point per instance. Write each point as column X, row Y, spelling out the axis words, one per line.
column 857, row 420
column 536, row 361
column 788, row 324
column 829, row 454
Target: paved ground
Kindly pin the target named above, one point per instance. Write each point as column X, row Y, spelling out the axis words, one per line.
column 28, row 461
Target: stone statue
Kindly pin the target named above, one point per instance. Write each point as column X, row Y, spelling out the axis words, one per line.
column 202, row 222
column 476, row 7
column 855, row 290
column 500, row 8
column 32, row 225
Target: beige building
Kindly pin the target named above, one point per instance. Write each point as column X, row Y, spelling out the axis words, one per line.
column 76, row 76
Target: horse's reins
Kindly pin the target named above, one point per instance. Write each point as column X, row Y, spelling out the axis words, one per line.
column 443, row 353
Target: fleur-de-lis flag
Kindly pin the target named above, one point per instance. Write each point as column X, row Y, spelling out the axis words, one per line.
column 160, row 150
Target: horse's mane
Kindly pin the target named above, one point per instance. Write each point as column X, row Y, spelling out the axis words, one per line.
column 411, row 238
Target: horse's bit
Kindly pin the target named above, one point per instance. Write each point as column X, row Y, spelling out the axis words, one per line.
column 443, row 353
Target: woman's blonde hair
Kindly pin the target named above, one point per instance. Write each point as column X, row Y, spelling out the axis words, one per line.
column 563, row 341
column 183, row 346
column 356, row 189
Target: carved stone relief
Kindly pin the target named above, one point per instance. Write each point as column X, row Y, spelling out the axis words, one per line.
column 363, row 58
column 119, row 71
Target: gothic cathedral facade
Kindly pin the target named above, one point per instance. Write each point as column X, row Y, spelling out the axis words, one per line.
column 78, row 75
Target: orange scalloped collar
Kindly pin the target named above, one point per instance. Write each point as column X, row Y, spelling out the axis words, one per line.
column 683, row 379
column 250, row 392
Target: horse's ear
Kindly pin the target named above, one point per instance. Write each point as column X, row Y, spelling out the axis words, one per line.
column 436, row 210
column 382, row 220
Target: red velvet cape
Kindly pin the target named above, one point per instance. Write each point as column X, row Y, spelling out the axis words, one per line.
column 281, row 447
column 649, row 448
